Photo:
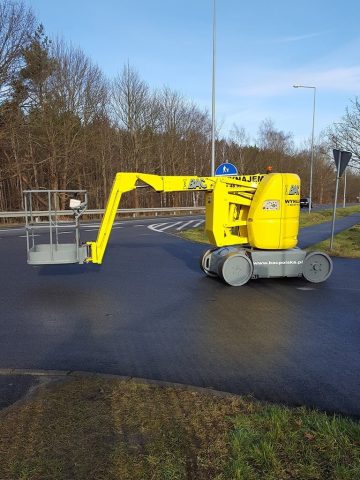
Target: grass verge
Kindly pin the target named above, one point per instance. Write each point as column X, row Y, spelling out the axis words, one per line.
column 96, row 428
column 194, row 234
column 321, row 216
column 346, row 244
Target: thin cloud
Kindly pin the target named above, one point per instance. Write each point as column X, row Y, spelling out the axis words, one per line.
column 345, row 79
column 298, row 38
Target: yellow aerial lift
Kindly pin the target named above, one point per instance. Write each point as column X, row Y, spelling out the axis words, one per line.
column 251, row 220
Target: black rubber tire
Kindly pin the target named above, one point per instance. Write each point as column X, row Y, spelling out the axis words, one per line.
column 203, row 262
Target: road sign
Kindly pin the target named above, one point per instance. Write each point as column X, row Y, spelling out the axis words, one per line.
column 342, row 159
column 226, row 170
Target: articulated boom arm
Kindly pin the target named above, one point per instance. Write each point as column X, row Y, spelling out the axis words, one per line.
column 228, row 200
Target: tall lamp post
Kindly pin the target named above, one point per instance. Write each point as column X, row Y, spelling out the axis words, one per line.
column 312, row 144
column 213, row 91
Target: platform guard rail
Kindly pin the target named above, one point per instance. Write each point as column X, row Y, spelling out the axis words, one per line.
column 54, row 251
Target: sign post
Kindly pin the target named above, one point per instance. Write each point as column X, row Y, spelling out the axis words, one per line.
column 342, row 158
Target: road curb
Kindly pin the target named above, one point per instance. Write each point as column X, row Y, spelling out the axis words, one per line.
column 53, row 375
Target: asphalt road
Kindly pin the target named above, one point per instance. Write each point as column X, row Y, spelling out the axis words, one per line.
column 149, row 312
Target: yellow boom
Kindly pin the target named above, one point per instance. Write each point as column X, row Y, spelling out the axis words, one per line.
column 259, row 210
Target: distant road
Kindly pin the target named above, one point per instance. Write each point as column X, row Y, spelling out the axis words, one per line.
column 327, row 206
column 159, row 224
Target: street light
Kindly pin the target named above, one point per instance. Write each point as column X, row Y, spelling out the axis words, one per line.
column 213, row 91
column 312, row 144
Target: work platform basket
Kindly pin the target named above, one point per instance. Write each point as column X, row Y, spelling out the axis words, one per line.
column 53, row 235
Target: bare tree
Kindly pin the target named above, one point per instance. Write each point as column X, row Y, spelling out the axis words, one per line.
column 238, row 140
column 275, row 140
column 131, row 100
column 133, row 110
column 78, row 94
column 345, row 135
column 77, row 85
column 17, row 26
column 277, row 146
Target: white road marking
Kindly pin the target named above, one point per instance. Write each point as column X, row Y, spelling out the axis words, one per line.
column 168, row 226
column 161, row 227
column 155, row 226
column 83, row 225
column 185, row 224
column 198, row 223
column 11, row 230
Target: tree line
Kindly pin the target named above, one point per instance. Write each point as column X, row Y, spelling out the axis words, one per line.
column 64, row 125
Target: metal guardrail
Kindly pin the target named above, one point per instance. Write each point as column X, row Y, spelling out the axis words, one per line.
column 125, row 211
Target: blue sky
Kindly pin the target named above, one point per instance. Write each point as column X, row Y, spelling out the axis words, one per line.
column 263, row 48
